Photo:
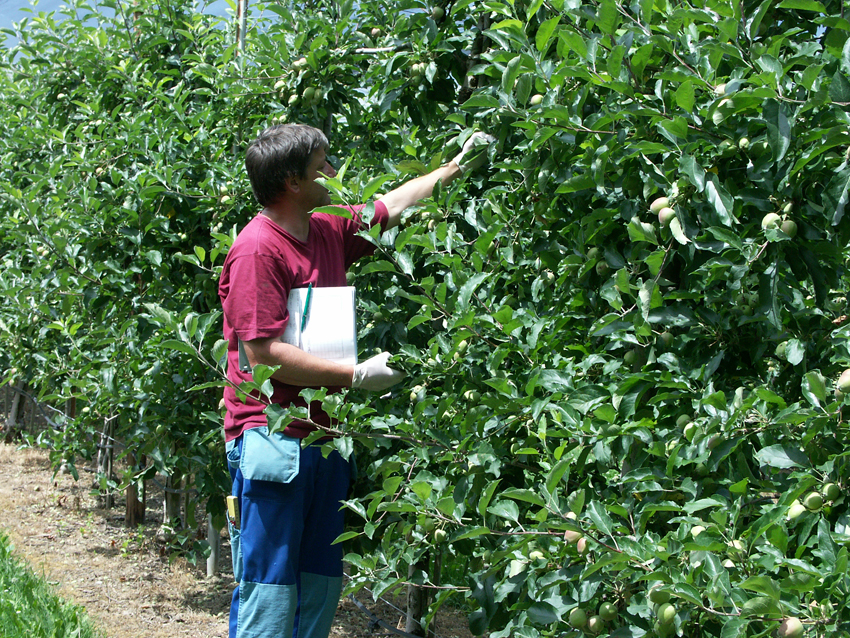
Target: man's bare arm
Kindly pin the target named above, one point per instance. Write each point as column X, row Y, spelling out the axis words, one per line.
column 297, row 367
column 415, row 190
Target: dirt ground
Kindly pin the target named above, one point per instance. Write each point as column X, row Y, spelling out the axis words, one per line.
column 125, row 578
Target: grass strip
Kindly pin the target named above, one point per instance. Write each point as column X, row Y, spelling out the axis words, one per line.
column 30, row 609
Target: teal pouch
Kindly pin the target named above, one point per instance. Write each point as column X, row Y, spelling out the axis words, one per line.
column 269, row 457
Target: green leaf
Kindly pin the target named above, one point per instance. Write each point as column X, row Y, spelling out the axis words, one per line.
column 795, row 351
column 524, row 495
column 471, row 533
column 545, row 33
column 422, row 489
column 839, row 90
column 597, row 513
column 678, row 233
column 778, row 129
column 814, row 388
column 782, row 457
column 543, row 613
column 694, row 172
column 720, row 199
column 685, row 96
column 762, row 585
column 761, row 606
column 468, row 288
column 481, row 100
column 180, row 346
column 505, row 509
column 642, row 231
column 487, row 496
column 802, row 5
column 835, row 196
column 511, row 74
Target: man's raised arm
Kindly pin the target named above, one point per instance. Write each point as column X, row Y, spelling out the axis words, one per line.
column 472, row 156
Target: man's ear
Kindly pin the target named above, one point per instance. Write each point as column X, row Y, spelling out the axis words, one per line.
column 293, row 184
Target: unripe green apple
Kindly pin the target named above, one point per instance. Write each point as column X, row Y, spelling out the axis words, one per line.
column 788, row 208
column 789, row 227
column 595, row 624
column 780, row 350
column 696, row 530
column 578, row 618
column 727, row 148
column 536, row 99
column 657, row 205
column 658, row 596
column 536, row 555
column 375, row 32
column 690, row 431
column 844, row 382
column 831, row 492
column 665, row 216
column 666, row 339
column 743, row 143
column 581, row 546
column 437, row 13
column 602, row 268
column 790, row 628
column 572, row 536
column 631, row 357
column 440, row 535
column 592, row 254
column 771, row 220
column 666, row 613
column 795, row 510
column 683, row 419
column 813, row 501
column 714, row 441
column 607, row 611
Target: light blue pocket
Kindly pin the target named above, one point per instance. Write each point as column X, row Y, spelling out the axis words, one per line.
column 269, row 457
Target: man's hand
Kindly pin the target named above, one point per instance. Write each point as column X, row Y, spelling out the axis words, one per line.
column 374, row 374
column 473, row 155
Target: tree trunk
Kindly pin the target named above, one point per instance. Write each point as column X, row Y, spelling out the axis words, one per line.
column 134, row 514
column 10, row 429
column 172, row 502
column 417, row 600
column 105, row 459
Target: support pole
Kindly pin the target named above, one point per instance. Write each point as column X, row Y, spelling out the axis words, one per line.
column 214, row 540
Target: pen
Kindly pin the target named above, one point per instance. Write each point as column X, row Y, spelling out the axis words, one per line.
column 306, row 313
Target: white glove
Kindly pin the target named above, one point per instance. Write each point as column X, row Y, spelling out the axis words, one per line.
column 473, row 155
column 374, row 374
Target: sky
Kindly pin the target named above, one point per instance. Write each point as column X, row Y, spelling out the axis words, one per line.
column 10, row 10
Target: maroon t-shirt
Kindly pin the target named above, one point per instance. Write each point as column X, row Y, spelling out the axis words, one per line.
column 263, row 265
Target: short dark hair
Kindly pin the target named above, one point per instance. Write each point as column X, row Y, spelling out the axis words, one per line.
column 279, row 153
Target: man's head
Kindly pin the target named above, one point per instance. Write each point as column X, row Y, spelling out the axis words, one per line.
column 280, row 153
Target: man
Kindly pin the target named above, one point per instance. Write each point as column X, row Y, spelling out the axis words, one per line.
column 289, row 574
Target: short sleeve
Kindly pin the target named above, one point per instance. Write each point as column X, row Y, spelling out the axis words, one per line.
column 255, row 304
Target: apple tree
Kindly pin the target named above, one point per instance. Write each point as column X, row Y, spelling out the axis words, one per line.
column 622, row 337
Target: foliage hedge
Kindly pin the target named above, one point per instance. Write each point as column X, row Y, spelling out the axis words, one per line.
column 668, row 391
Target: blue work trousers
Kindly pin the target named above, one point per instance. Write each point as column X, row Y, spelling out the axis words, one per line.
column 289, row 575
